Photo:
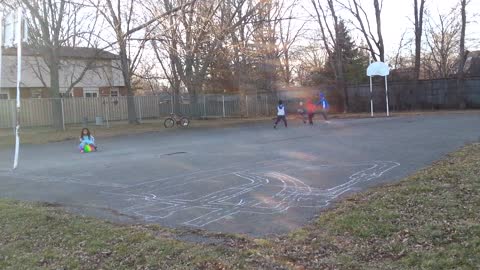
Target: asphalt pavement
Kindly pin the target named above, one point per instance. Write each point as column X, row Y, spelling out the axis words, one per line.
column 250, row 178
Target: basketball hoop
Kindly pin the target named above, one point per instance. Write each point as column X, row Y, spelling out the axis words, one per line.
column 378, row 69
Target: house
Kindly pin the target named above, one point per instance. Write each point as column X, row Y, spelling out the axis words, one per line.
column 104, row 78
column 472, row 64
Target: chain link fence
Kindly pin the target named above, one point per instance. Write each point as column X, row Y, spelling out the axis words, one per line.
column 425, row 95
column 40, row 112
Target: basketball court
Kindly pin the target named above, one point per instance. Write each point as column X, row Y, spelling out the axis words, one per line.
column 248, row 179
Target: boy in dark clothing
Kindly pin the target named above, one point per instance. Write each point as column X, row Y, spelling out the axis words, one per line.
column 280, row 114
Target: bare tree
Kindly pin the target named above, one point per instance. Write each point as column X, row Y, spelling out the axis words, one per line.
column 193, row 39
column 123, row 18
column 54, row 25
column 398, row 60
column 333, row 40
column 374, row 41
column 442, row 38
column 241, row 54
column 288, row 37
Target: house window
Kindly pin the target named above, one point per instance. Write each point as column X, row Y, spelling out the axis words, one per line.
column 3, row 96
column 36, row 93
column 90, row 92
column 114, row 93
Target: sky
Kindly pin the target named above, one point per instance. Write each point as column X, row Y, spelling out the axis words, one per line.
column 397, row 17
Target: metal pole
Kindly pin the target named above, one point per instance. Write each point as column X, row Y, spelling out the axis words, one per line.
column 223, row 101
column 371, row 88
column 386, row 95
column 19, row 78
column 371, row 97
column 63, row 114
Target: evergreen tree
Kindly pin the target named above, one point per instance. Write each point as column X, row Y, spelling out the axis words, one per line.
column 355, row 61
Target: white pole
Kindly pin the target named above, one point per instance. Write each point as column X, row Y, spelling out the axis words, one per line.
column 19, row 78
column 223, row 103
column 386, row 96
column 371, row 97
column 246, row 103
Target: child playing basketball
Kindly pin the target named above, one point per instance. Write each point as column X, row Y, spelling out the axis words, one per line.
column 311, row 108
column 323, row 103
column 86, row 139
column 302, row 112
column 280, row 114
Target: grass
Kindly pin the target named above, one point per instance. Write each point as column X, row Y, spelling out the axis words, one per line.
column 430, row 220
column 42, row 237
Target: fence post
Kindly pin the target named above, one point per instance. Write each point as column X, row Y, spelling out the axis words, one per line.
column 246, row 103
column 14, row 114
column 107, row 104
column 139, row 108
column 266, row 106
column 223, row 101
column 75, row 119
column 204, row 106
column 63, row 114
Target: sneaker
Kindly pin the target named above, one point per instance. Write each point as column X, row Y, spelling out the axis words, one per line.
column 275, row 126
column 328, row 122
column 81, row 151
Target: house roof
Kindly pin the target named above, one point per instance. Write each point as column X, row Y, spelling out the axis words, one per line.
column 65, row 52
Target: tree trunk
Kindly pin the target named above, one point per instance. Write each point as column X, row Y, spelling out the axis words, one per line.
column 132, row 114
column 55, row 92
column 418, row 48
column 462, row 59
column 418, row 35
column 380, row 46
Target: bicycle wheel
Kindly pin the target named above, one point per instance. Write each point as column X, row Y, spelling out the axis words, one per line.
column 169, row 123
column 184, row 122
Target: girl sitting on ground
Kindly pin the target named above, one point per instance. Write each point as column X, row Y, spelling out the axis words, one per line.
column 86, row 139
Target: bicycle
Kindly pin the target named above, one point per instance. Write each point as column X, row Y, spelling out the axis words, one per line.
column 181, row 121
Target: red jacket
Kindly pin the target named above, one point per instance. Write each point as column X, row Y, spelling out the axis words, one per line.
column 311, row 108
